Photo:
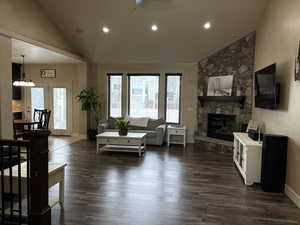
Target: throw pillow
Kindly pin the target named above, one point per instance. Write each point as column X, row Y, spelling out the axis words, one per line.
column 139, row 122
column 153, row 124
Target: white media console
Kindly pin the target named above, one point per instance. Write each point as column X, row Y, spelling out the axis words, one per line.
column 247, row 156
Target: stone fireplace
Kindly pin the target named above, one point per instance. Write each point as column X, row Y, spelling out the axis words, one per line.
column 216, row 119
column 221, row 126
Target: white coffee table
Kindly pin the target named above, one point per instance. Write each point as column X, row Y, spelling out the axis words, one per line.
column 112, row 141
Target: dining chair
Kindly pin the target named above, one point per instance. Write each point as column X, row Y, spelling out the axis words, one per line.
column 19, row 131
column 38, row 116
column 45, row 120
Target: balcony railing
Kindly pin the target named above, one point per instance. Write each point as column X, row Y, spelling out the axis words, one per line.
column 24, row 180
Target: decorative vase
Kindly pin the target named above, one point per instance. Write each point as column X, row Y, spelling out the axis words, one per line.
column 123, row 132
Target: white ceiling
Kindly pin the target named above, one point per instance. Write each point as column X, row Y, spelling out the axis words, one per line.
column 180, row 38
column 37, row 55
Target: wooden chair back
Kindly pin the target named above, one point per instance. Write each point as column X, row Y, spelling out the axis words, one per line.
column 38, row 116
column 45, row 120
column 18, row 131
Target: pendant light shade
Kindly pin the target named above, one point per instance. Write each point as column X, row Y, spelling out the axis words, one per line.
column 23, row 82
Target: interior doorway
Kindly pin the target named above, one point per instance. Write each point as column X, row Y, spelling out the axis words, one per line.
column 56, row 98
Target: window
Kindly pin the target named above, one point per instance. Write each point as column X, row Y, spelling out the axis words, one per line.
column 115, row 95
column 143, row 95
column 60, row 108
column 173, row 95
column 37, row 99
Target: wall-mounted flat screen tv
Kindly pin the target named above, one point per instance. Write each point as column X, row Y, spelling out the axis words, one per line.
column 267, row 91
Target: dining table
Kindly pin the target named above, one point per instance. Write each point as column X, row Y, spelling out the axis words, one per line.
column 26, row 123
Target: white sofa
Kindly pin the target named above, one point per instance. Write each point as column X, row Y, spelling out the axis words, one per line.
column 155, row 129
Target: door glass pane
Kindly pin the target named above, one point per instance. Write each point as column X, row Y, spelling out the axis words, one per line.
column 144, row 96
column 37, row 99
column 173, row 99
column 60, row 108
column 115, row 95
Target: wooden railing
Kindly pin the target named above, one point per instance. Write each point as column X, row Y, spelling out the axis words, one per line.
column 13, row 188
column 24, row 180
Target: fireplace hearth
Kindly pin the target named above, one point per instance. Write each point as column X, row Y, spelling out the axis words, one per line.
column 221, row 126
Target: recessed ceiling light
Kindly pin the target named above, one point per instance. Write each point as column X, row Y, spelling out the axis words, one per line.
column 105, row 30
column 154, row 27
column 207, row 25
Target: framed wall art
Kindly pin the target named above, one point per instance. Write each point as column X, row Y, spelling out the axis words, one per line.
column 220, row 85
column 48, row 73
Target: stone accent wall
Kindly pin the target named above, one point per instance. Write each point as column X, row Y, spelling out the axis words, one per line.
column 237, row 60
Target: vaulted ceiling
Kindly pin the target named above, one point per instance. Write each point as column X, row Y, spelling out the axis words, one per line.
column 37, row 55
column 180, row 38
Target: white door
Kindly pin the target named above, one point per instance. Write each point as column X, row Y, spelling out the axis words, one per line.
column 55, row 98
column 36, row 98
column 61, row 111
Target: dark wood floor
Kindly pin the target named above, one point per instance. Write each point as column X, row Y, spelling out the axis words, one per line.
column 165, row 187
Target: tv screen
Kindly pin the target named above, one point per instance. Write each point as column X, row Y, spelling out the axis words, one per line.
column 266, row 89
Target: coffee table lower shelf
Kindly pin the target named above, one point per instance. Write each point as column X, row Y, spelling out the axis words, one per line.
column 123, row 148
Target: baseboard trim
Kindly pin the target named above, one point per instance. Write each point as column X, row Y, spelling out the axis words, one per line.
column 292, row 195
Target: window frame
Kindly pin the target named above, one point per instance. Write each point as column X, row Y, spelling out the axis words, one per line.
column 166, row 95
column 109, row 75
column 141, row 75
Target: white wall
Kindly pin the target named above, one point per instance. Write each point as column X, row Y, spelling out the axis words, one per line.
column 98, row 79
column 277, row 41
column 73, row 75
column 82, row 71
column 6, row 125
column 25, row 20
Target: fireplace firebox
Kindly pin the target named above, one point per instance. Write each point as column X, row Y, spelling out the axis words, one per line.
column 221, row 126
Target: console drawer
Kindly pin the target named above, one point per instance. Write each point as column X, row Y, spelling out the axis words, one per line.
column 118, row 141
column 176, row 132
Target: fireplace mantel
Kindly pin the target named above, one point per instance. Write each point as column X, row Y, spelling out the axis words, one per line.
column 226, row 99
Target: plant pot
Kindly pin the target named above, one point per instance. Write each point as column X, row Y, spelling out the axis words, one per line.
column 92, row 132
column 123, row 132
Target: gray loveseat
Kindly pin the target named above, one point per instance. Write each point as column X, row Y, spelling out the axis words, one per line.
column 156, row 130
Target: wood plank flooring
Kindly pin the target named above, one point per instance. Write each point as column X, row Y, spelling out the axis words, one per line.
column 165, row 187
column 57, row 142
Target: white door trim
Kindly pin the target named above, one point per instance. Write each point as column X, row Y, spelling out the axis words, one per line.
column 68, row 86
column 48, row 99
column 27, row 102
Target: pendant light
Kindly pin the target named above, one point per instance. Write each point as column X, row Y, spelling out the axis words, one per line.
column 23, row 82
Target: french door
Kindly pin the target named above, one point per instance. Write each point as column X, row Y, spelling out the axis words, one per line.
column 55, row 98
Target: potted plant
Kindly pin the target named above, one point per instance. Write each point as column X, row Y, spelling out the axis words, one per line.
column 122, row 125
column 90, row 102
